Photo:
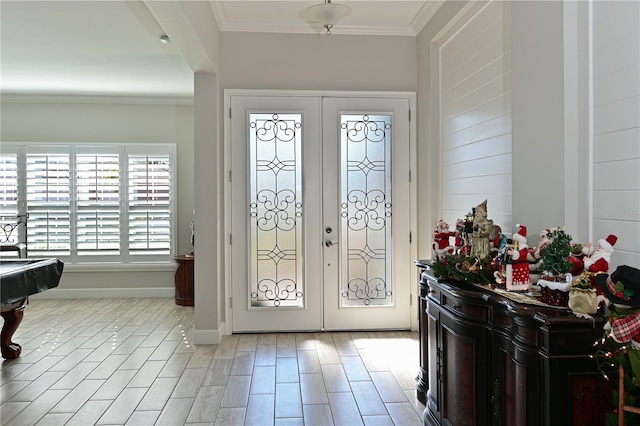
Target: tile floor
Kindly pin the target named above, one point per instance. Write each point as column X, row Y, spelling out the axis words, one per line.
column 131, row 362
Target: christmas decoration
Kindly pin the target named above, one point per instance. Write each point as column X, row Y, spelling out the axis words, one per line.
column 582, row 297
column 484, row 232
column 598, row 261
column 463, row 268
column 555, row 255
column 520, row 265
column 441, row 239
column 555, row 280
column 622, row 287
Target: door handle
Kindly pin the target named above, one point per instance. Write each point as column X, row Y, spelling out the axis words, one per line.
column 329, row 243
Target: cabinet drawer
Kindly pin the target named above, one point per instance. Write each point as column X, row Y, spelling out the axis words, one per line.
column 434, row 295
column 465, row 309
column 527, row 335
column 523, row 333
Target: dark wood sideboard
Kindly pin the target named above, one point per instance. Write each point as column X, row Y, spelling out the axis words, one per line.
column 486, row 360
column 184, row 280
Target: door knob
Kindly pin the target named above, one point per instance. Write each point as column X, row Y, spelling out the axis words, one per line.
column 329, row 243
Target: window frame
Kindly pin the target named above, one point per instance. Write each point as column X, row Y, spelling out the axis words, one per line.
column 124, row 150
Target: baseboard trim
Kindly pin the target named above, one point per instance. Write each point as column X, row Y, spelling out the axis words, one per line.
column 104, row 293
column 208, row 337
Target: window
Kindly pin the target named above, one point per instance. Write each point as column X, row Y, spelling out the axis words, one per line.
column 92, row 203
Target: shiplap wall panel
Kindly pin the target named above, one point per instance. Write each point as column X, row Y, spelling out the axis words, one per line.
column 495, row 70
column 472, row 26
column 484, row 92
column 615, row 206
column 618, row 145
column 489, row 147
column 479, row 55
column 616, row 127
column 489, row 129
column 607, row 175
column 475, row 117
column 617, row 86
column 615, row 116
column 484, row 110
column 497, row 183
column 486, row 166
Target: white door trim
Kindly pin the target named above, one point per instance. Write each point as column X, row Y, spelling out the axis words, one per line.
column 228, row 93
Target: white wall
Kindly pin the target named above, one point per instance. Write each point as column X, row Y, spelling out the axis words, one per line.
column 474, row 85
column 305, row 61
column 46, row 119
column 616, row 127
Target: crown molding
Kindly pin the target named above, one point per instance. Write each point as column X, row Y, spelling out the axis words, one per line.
column 82, row 99
column 424, row 15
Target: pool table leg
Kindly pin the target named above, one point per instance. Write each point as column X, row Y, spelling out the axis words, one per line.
column 12, row 320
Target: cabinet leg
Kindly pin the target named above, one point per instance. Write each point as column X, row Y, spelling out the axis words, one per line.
column 12, row 319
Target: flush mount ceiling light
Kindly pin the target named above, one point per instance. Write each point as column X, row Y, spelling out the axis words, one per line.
column 324, row 15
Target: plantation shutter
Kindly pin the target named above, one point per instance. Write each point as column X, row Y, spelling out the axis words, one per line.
column 48, row 201
column 98, row 201
column 149, row 202
column 8, row 183
column 92, row 203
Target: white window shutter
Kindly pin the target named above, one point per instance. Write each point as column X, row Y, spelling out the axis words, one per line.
column 98, row 204
column 92, row 203
column 48, row 203
column 8, row 183
column 149, row 204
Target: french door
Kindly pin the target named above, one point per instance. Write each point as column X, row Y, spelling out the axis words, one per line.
column 320, row 213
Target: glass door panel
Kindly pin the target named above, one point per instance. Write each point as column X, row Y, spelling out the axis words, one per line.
column 276, row 210
column 365, row 210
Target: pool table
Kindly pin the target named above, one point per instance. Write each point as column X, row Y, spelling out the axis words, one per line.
column 19, row 279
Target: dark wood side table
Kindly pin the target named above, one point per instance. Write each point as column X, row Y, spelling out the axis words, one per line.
column 184, row 279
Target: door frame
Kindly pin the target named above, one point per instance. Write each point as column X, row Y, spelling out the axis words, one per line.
column 228, row 93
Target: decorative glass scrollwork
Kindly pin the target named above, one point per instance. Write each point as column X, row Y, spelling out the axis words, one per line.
column 275, row 210
column 365, row 209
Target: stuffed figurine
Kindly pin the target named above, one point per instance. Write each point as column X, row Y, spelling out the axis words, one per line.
column 597, row 262
column 520, row 265
column 441, row 243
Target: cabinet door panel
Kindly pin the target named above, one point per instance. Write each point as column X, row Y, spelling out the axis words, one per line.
column 433, row 326
column 459, row 380
column 465, row 400
column 514, row 392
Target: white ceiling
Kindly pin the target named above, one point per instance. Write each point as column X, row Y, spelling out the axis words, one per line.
column 112, row 47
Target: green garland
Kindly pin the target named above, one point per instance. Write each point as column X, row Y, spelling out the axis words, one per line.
column 463, row 268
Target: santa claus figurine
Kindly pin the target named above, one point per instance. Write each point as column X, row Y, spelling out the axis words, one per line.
column 441, row 235
column 598, row 261
column 520, row 279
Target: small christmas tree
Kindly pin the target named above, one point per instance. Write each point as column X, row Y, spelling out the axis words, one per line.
column 555, row 256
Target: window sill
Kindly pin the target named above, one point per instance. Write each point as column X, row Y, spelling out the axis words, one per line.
column 121, row 267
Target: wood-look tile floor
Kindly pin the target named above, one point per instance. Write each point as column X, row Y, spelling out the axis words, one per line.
column 132, row 362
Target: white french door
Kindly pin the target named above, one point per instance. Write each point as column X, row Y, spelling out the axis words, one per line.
column 320, row 213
